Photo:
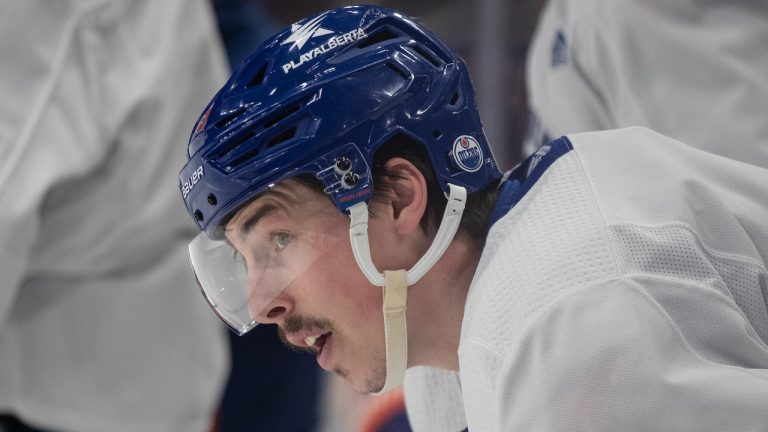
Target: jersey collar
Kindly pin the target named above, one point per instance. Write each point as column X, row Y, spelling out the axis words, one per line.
column 517, row 182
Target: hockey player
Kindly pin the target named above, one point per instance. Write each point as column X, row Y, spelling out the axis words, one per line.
column 613, row 281
column 696, row 72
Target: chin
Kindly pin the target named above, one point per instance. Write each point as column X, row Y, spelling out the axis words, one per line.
column 372, row 381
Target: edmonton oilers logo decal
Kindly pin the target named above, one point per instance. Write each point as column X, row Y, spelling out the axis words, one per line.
column 467, row 153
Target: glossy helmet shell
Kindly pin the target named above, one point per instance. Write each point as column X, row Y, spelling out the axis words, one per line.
column 320, row 98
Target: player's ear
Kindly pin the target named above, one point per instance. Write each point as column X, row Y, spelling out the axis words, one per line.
column 406, row 190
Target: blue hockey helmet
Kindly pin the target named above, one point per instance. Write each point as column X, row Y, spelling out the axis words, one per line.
column 320, row 98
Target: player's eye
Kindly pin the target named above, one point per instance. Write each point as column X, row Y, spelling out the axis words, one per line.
column 281, row 239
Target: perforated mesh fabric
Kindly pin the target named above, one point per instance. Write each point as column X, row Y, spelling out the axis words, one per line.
column 582, row 253
column 534, row 255
column 672, row 251
column 433, row 400
column 742, row 278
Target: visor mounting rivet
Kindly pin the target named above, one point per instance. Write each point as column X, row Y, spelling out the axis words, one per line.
column 212, row 199
column 350, row 179
column 343, row 165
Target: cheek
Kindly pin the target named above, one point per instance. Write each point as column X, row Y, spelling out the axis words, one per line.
column 392, row 251
column 352, row 283
column 384, row 247
column 358, row 301
column 338, row 284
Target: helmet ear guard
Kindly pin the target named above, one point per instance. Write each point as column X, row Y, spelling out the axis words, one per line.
column 321, row 98
column 358, row 234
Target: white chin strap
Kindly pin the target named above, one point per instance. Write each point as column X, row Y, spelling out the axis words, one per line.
column 395, row 283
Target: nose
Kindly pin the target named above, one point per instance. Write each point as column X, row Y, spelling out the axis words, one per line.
column 268, row 302
column 277, row 310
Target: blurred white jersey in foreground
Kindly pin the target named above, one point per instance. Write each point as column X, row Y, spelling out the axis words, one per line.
column 102, row 327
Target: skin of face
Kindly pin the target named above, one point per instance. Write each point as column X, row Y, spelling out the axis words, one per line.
column 331, row 293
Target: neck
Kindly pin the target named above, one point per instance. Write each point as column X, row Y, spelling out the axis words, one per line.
column 436, row 306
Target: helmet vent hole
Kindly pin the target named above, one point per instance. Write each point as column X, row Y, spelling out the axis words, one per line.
column 281, row 116
column 258, row 78
column 428, row 55
column 455, row 99
column 282, row 137
column 437, row 134
column 235, row 143
column 398, row 70
column 381, row 35
column 228, row 119
column 251, row 153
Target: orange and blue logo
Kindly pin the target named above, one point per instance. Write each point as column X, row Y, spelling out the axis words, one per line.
column 467, row 153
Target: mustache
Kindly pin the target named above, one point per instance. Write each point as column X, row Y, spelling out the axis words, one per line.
column 299, row 323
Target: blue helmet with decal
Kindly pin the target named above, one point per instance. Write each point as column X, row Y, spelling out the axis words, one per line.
column 320, row 98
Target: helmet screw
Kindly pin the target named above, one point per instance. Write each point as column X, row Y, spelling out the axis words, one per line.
column 198, row 215
column 212, row 199
column 343, row 165
column 350, row 180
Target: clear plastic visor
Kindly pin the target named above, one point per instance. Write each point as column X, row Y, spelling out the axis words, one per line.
column 242, row 274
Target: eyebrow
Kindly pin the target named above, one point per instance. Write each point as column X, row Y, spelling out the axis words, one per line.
column 254, row 218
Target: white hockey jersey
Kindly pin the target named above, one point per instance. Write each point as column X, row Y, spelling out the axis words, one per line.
column 691, row 70
column 102, row 327
column 695, row 72
column 433, row 400
column 625, row 289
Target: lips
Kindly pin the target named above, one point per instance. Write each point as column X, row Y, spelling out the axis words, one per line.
column 315, row 341
column 323, row 345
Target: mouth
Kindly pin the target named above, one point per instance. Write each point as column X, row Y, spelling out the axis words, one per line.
column 320, row 344
column 307, row 335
